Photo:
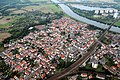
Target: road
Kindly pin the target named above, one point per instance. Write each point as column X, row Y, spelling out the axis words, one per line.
column 76, row 64
column 80, row 61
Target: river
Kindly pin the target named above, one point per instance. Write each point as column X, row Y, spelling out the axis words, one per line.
column 69, row 12
column 87, row 8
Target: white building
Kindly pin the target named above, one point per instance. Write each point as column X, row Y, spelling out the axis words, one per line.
column 106, row 11
column 101, row 11
column 115, row 15
column 96, row 11
column 94, row 64
column 111, row 10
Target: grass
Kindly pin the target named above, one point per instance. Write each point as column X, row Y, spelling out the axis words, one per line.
column 1, row 49
column 98, row 69
column 18, row 11
column 5, row 20
column 117, row 23
column 8, row 24
column 44, row 8
column 88, row 66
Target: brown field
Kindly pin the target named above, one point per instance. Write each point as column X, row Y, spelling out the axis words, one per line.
column 4, row 36
column 5, row 20
column 30, row 8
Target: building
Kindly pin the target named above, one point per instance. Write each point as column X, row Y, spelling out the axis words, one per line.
column 100, row 76
column 115, row 15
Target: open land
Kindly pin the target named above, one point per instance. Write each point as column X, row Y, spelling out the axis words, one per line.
column 44, row 8
column 6, row 21
column 4, row 36
column 11, row 9
column 18, row 11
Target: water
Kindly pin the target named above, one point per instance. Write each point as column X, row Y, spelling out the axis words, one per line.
column 69, row 12
column 87, row 8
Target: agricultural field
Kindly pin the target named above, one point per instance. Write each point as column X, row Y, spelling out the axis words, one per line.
column 18, row 11
column 44, row 8
column 4, row 36
column 6, row 21
column 7, row 25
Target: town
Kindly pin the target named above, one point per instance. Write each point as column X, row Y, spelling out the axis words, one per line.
column 41, row 51
column 57, row 40
column 38, row 49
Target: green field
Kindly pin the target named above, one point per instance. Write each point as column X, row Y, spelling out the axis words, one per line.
column 117, row 23
column 8, row 24
column 44, row 8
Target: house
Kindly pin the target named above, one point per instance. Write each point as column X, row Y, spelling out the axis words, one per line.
column 94, row 64
column 100, row 76
column 84, row 74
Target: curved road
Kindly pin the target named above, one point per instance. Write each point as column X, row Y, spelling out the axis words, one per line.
column 68, row 11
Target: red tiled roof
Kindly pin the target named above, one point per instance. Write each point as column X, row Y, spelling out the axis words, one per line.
column 26, row 72
column 18, row 67
column 21, row 79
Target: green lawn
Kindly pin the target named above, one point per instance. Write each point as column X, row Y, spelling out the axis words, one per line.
column 98, row 69
column 88, row 66
column 117, row 23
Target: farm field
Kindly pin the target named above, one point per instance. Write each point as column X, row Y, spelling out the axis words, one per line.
column 4, row 36
column 4, row 23
column 18, row 11
column 7, row 25
column 44, row 8
column 5, row 20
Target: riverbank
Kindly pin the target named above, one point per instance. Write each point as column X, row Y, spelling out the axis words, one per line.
column 99, row 18
column 69, row 12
